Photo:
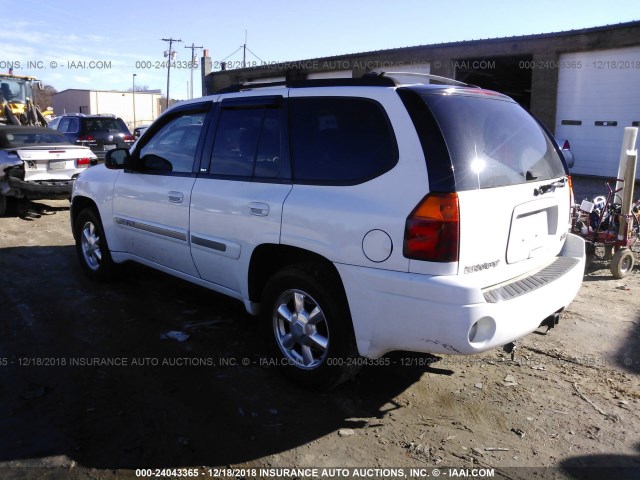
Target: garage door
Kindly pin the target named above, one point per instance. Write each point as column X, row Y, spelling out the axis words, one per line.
column 598, row 96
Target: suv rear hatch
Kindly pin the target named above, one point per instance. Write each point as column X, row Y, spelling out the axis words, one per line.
column 108, row 133
column 512, row 187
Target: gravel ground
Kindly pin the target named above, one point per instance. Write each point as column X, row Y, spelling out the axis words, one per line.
column 90, row 389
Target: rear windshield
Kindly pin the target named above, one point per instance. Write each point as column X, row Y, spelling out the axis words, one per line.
column 493, row 142
column 111, row 125
column 22, row 139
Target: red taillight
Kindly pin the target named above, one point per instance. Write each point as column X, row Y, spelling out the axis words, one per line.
column 572, row 199
column 566, row 145
column 129, row 138
column 86, row 138
column 82, row 162
column 432, row 230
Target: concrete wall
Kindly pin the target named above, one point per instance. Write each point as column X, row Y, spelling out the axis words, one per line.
column 91, row 102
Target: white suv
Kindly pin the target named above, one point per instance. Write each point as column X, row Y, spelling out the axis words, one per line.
column 357, row 216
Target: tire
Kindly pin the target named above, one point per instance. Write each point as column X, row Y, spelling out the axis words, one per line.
column 92, row 248
column 310, row 326
column 3, row 205
column 622, row 263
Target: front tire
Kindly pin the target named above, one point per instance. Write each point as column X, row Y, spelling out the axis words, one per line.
column 310, row 326
column 92, row 248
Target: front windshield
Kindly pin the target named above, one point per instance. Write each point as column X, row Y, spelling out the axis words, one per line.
column 13, row 90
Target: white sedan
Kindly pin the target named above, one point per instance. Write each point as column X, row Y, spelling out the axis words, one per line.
column 38, row 163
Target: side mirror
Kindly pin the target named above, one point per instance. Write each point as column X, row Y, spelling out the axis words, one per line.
column 117, row 159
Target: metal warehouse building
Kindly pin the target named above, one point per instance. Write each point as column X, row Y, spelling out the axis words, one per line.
column 584, row 85
column 135, row 109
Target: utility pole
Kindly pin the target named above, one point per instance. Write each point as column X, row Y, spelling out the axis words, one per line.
column 244, row 51
column 170, row 55
column 133, row 92
column 193, row 61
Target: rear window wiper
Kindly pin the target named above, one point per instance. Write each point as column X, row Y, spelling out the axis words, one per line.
column 550, row 187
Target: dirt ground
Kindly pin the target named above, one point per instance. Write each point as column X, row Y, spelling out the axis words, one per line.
column 90, row 388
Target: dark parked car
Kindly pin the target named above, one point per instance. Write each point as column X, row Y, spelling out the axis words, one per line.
column 138, row 131
column 100, row 133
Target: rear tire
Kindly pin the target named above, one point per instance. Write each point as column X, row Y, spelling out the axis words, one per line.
column 310, row 326
column 92, row 248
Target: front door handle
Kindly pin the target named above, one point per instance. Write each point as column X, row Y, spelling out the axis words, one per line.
column 176, row 197
column 259, row 209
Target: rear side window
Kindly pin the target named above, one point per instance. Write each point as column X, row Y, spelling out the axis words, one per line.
column 340, row 140
column 247, row 143
column 493, row 142
column 69, row 125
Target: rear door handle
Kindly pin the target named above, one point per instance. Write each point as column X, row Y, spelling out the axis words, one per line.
column 259, row 209
column 176, row 197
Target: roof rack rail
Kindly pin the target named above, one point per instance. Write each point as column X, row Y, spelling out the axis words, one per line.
column 437, row 78
column 372, row 79
column 365, row 81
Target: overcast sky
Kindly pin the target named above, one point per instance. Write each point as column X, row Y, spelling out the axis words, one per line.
column 56, row 41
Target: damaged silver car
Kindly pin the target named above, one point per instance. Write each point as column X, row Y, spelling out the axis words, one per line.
column 38, row 163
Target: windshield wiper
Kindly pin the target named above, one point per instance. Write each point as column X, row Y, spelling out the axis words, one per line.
column 550, row 187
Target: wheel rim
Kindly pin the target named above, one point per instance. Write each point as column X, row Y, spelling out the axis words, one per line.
column 301, row 329
column 626, row 263
column 90, row 243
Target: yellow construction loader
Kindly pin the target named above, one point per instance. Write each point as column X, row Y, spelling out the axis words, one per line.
column 16, row 101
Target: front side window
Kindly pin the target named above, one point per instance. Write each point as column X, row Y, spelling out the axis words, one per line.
column 340, row 140
column 247, row 143
column 173, row 148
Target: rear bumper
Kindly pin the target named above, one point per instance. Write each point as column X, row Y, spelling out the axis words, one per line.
column 41, row 190
column 442, row 314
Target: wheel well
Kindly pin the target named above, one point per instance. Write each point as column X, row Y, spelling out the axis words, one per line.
column 78, row 205
column 268, row 259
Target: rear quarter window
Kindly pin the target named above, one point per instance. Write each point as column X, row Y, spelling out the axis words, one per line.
column 340, row 140
column 493, row 141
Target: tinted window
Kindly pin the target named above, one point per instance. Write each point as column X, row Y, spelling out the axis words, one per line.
column 247, row 143
column 493, row 142
column 106, row 124
column 19, row 139
column 340, row 140
column 173, row 147
column 69, row 125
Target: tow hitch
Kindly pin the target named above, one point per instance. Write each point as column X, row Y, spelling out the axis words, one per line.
column 511, row 348
column 551, row 321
